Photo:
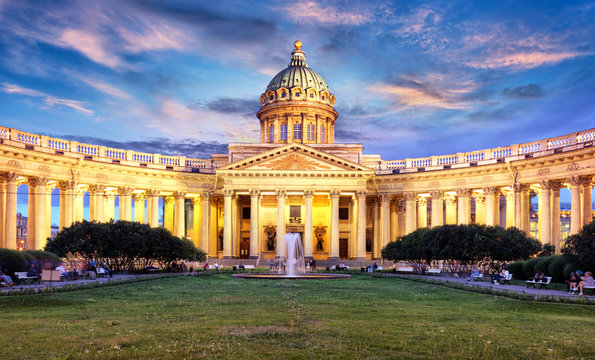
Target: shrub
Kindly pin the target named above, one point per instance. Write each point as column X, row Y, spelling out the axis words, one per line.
column 529, row 267
column 45, row 259
column 556, row 268
column 12, row 260
column 580, row 248
column 516, row 269
column 543, row 264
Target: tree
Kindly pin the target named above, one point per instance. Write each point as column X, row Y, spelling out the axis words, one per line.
column 580, row 248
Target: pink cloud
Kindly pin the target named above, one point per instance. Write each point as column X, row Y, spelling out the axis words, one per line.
column 312, row 10
column 47, row 99
column 525, row 60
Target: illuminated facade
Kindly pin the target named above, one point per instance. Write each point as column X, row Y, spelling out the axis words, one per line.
column 346, row 204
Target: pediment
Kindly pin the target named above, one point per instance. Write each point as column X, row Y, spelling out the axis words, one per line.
column 295, row 157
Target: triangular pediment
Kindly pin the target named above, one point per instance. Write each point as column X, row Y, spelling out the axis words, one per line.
column 295, row 157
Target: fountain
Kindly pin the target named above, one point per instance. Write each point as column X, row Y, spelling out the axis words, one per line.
column 292, row 266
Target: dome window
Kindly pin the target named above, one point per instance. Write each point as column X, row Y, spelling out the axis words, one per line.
column 323, row 98
column 297, row 94
column 282, row 95
column 271, row 98
column 311, row 95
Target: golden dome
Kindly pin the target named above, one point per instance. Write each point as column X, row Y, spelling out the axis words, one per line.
column 297, row 44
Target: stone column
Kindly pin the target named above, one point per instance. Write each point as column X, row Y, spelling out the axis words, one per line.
column 361, row 225
column 48, row 210
column 109, row 207
column 168, row 213
column 206, row 221
column 492, row 200
column 227, row 219
column 556, row 226
column 139, row 207
column 463, row 206
column 334, row 249
column 394, row 219
column 480, row 207
column 2, row 211
column 451, row 209
column 254, row 226
column 124, row 203
column 385, row 219
column 196, row 221
column 281, row 195
column 66, row 203
column 576, row 218
column 587, row 201
column 308, row 224
column 545, row 213
column 422, row 212
column 38, row 240
column 10, row 220
column 437, row 208
column 179, row 214
column 410, row 217
column 96, row 202
column 521, row 206
column 31, row 210
column 377, row 234
column 152, row 207
column 79, row 204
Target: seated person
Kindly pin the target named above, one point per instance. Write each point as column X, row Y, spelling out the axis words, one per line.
column 586, row 281
column 573, row 280
column 502, row 275
column 6, row 278
column 32, row 271
column 473, row 275
column 539, row 277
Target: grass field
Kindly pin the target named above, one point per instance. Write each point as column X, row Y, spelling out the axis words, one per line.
column 218, row 317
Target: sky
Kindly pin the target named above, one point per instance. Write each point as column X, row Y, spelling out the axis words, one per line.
column 411, row 78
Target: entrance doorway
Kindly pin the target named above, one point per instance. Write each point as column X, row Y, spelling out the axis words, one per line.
column 245, row 248
column 343, row 249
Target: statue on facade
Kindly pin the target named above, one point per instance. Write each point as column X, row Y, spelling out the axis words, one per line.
column 271, row 233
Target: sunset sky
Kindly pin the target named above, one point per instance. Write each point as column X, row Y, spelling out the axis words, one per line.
column 411, row 78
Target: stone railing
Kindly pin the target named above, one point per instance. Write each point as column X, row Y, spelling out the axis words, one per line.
column 488, row 156
column 105, row 154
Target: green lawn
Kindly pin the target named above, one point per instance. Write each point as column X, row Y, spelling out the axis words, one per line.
column 219, row 317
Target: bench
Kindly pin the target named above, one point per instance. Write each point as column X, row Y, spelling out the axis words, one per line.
column 249, row 267
column 592, row 288
column 51, row 275
column 379, row 269
column 542, row 284
column 506, row 279
column 21, row 277
column 480, row 276
column 405, row 269
column 433, row 271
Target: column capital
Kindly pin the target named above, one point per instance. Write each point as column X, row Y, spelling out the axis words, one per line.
column 125, row 191
column 437, row 195
column 254, row 193
column 139, row 196
column 410, row 196
column 450, row 200
column 479, row 197
column 206, row 195
column 335, row 194
column 578, row 180
column 421, row 201
column 492, row 190
column 463, row 192
column 196, row 199
column 179, row 195
column 361, row 193
column 281, row 194
column 96, row 188
column 168, row 199
column 521, row 187
column 385, row 198
column 308, row 194
column 9, row 176
column 152, row 192
column 37, row 181
column 64, row 185
column 228, row 192
column 550, row 185
column 109, row 195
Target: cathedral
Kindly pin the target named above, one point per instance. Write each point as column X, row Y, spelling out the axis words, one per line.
column 346, row 205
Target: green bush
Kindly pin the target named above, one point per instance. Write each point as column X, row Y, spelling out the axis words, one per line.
column 45, row 259
column 12, row 261
column 568, row 268
column 529, row 267
column 580, row 248
column 516, row 269
column 556, row 268
column 543, row 264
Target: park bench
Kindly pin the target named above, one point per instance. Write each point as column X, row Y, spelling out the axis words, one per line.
column 433, row 271
column 542, row 284
column 21, row 277
column 592, row 288
column 480, row 276
column 51, row 275
column 506, row 279
column 405, row 269
column 249, row 267
column 379, row 269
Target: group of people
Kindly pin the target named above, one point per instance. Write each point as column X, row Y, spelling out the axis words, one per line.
column 502, row 275
column 577, row 282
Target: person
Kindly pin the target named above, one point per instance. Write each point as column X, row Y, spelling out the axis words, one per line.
column 107, row 269
column 63, row 272
column 375, row 266
column 502, row 275
column 206, row 266
column 32, row 271
column 216, row 266
column 313, row 265
column 92, row 270
column 587, row 280
column 539, row 276
column 573, row 280
column 473, row 275
column 6, row 278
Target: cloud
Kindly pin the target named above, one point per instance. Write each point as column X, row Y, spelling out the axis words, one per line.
column 234, row 106
column 104, row 87
column 525, row 60
column 49, row 100
column 329, row 15
column 524, row 91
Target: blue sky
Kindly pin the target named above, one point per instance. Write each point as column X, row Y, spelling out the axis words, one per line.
column 411, row 78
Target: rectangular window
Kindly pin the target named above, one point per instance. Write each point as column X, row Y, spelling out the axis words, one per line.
column 246, row 213
column 343, row 213
column 295, row 211
column 322, row 136
column 297, row 131
column 311, row 134
column 272, row 134
column 283, row 132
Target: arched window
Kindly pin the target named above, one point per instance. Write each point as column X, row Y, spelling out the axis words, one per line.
column 322, row 135
column 297, row 131
column 283, row 132
column 272, row 133
column 283, row 95
column 311, row 134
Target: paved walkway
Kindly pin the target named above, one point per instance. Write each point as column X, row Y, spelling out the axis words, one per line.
column 512, row 288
